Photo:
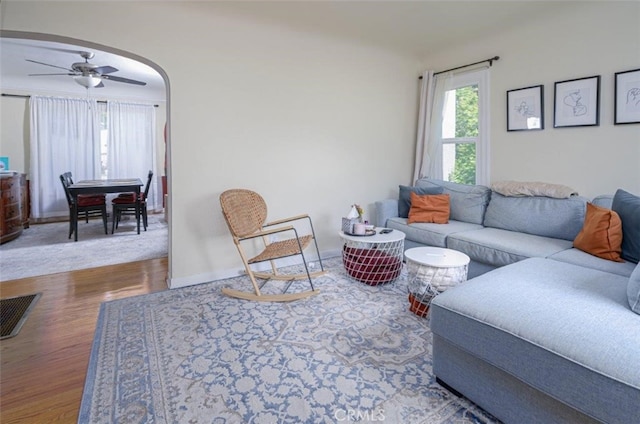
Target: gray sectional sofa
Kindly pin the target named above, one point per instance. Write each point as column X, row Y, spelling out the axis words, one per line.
column 545, row 333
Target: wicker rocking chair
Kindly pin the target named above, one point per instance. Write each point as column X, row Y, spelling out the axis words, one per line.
column 245, row 212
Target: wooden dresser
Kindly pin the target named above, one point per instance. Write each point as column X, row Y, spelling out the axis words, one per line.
column 14, row 206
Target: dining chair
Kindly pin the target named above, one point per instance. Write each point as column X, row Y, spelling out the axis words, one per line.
column 88, row 205
column 125, row 204
column 86, row 198
column 245, row 212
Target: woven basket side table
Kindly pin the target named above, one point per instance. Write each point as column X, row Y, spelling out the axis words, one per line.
column 432, row 270
column 373, row 258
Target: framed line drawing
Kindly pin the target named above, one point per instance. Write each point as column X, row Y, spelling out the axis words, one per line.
column 627, row 97
column 577, row 102
column 525, row 108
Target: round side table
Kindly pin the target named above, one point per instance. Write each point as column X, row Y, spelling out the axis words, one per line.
column 432, row 270
column 373, row 259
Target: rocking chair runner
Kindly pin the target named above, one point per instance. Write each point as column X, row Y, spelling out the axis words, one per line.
column 245, row 212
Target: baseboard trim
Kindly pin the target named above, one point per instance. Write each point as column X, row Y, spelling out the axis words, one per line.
column 210, row 277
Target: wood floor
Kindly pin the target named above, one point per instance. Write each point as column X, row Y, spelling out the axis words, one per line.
column 43, row 367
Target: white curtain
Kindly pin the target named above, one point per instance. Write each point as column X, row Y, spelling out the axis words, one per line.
column 424, row 123
column 65, row 137
column 131, row 145
column 429, row 141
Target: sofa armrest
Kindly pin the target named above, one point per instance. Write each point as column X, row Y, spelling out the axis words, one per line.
column 385, row 209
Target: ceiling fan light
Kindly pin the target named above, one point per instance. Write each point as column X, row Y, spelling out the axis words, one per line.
column 87, row 80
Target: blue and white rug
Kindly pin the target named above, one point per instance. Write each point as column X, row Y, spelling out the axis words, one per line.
column 353, row 353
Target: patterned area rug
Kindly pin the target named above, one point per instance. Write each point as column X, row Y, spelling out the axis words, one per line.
column 353, row 353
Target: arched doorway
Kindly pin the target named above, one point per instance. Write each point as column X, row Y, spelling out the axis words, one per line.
column 66, row 46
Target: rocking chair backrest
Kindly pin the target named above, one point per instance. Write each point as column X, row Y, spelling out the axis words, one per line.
column 244, row 210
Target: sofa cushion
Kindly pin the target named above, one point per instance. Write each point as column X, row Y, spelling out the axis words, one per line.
column 385, row 209
column 574, row 320
column 633, row 290
column 578, row 257
column 604, row 200
column 468, row 202
column 501, row 247
column 541, row 216
column 404, row 197
column 429, row 208
column 601, row 234
column 430, row 234
column 628, row 207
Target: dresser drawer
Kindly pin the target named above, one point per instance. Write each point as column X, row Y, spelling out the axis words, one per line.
column 9, row 183
column 11, row 196
column 11, row 211
column 12, row 225
column 10, row 230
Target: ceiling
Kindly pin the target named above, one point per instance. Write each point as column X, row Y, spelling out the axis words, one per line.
column 416, row 28
column 15, row 70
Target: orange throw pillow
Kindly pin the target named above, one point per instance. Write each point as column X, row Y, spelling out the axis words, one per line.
column 429, row 208
column 601, row 234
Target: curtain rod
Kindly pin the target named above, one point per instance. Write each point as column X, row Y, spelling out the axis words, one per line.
column 490, row 60
column 23, row 96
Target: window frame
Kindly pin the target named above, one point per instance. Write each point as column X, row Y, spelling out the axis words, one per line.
column 479, row 77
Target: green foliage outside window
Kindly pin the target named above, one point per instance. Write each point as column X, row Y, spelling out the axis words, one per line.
column 464, row 171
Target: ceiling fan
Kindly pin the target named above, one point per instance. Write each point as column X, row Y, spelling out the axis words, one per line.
column 87, row 74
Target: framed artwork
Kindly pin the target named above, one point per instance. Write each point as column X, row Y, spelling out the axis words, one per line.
column 577, row 102
column 525, row 108
column 4, row 163
column 627, row 102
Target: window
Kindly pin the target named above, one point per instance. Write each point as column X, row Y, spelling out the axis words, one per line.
column 104, row 138
column 464, row 137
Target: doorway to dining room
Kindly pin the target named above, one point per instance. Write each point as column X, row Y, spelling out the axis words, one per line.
column 15, row 101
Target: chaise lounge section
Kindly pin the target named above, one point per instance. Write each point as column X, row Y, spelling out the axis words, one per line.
column 546, row 332
column 541, row 341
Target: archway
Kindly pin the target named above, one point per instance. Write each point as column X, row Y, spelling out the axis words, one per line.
column 49, row 38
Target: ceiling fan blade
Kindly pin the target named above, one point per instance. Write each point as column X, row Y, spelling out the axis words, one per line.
column 42, row 75
column 48, row 64
column 99, row 85
column 102, row 70
column 120, row 79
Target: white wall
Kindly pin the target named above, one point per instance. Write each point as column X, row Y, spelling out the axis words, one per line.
column 587, row 39
column 14, row 127
column 311, row 123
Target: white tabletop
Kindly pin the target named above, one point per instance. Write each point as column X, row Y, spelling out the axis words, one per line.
column 394, row 235
column 437, row 257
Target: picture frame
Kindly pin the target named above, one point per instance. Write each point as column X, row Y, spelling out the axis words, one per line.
column 577, row 102
column 4, row 163
column 627, row 97
column 525, row 108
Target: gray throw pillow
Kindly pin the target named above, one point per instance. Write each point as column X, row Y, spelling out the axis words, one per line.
column 628, row 207
column 633, row 290
column 468, row 201
column 404, row 201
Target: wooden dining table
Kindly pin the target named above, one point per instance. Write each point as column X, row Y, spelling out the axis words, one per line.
column 125, row 185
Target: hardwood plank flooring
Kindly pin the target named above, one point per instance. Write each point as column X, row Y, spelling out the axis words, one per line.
column 43, row 367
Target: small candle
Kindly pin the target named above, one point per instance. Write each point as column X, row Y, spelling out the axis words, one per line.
column 359, row 229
